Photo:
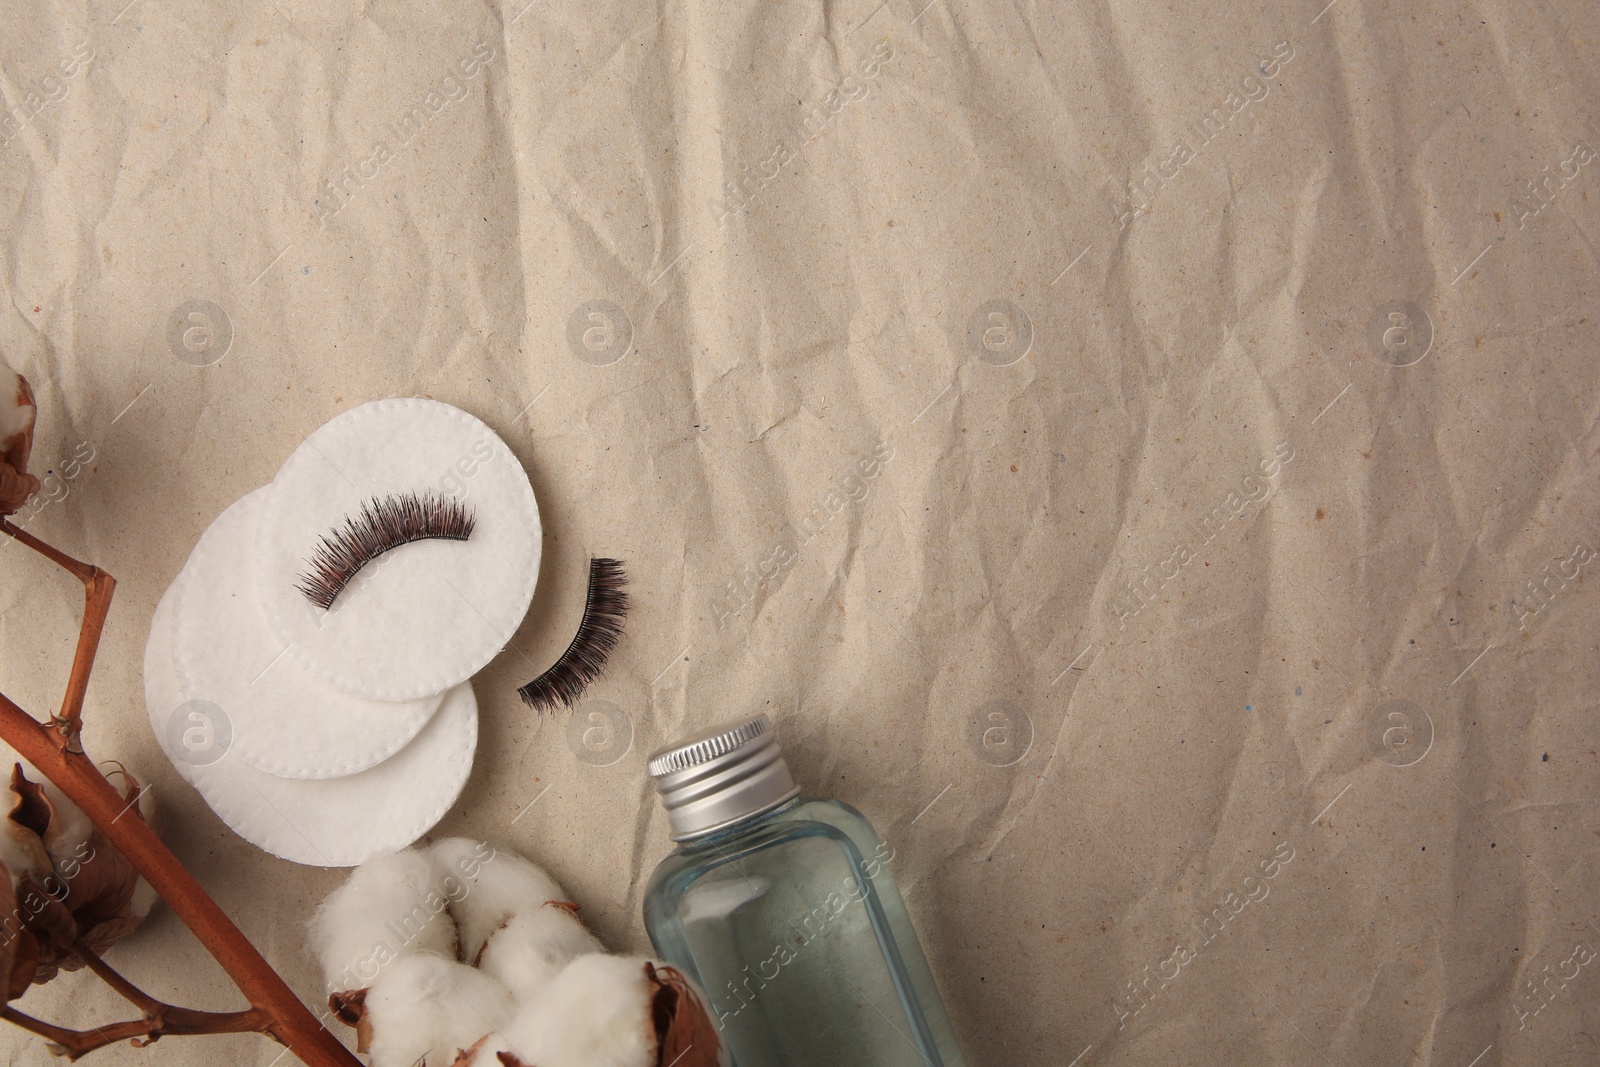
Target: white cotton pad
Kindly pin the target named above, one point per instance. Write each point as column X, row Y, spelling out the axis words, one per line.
column 330, row 822
column 283, row 721
column 424, row 616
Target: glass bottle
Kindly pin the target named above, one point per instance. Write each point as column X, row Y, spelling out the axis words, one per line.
column 784, row 909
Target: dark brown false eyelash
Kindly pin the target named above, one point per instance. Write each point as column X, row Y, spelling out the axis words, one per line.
column 381, row 525
column 598, row 633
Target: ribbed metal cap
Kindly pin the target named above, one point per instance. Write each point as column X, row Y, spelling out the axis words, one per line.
column 721, row 775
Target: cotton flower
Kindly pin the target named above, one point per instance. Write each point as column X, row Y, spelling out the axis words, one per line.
column 497, row 886
column 66, row 884
column 393, row 906
column 533, row 946
column 17, row 411
column 522, row 984
column 605, row 1011
column 424, row 1008
column 595, row 1013
column 70, row 827
column 21, row 845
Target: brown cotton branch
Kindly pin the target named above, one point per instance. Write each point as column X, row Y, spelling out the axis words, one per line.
column 54, row 749
column 97, row 589
column 162, row 1019
column 158, row 1011
column 75, row 1043
column 178, row 1022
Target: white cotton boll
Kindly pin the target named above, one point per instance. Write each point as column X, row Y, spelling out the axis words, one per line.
column 21, row 850
column 391, row 907
column 496, row 886
column 144, row 898
column 17, row 408
column 533, row 946
column 594, row 1013
column 69, row 826
column 426, row 1008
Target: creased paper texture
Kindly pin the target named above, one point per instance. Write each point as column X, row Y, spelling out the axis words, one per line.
column 1142, row 456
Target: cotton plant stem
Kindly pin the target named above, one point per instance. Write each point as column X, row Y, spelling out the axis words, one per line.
column 178, row 1023
column 77, row 1043
column 275, row 1011
column 164, row 1017
column 160, row 1019
column 126, row 989
column 97, row 589
column 54, row 750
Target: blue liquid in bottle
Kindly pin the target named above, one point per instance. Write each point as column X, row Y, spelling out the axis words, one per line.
column 785, row 910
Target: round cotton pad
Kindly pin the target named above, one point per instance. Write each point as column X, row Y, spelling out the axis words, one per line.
column 283, row 721
column 333, row 822
column 423, row 616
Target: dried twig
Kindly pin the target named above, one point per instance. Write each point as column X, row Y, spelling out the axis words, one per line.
column 57, row 752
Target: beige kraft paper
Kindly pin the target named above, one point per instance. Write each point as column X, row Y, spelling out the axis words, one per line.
column 1143, row 456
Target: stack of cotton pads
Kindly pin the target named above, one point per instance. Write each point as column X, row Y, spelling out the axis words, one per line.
column 328, row 732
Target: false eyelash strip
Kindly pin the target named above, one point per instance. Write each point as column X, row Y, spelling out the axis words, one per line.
column 598, row 634
column 380, row 526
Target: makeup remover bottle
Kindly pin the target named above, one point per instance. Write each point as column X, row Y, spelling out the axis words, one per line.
column 784, row 909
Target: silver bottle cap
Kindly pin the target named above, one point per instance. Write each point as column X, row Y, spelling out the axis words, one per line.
column 721, row 775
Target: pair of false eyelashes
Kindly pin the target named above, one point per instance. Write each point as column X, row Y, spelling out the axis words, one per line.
column 400, row 519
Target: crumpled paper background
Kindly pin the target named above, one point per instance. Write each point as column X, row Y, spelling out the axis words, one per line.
column 1143, row 456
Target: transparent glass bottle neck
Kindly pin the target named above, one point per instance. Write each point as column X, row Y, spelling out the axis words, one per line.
column 721, row 835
